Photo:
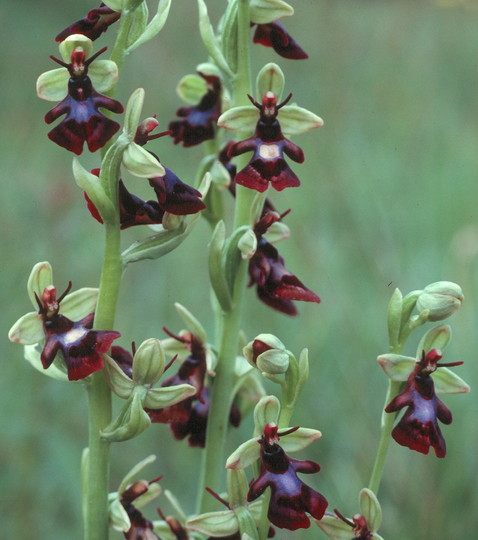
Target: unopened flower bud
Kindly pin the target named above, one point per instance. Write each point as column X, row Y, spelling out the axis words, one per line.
column 268, row 354
column 442, row 299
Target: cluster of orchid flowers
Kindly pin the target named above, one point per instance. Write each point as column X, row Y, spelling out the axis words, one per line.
column 59, row 336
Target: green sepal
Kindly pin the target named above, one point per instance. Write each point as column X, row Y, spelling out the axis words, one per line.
column 103, row 74
column 273, row 362
column 228, row 33
column 247, row 525
column 270, row 79
column 28, row 330
column 117, row 379
column 154, row 26
column 132, row 114
column 257, row 205
column 111, row 167
column 219, row 524
column 138, row 24
column 436, row 338
column 216, row 267
column 192, row 324
column 118, row 516
column 158, row 244
column 303, row 369
column 245, row 454
column 191, row 88
column 170, row 222
column 277, row 231
column 131, row 421
column 335, row 528
column 91, row 185
column 148, row 363
column 116, row 5
column 158, row 398
column 240, row 119
column 52, row 85
column 370, row 509
column 141, row 163
column 57, row 370
column 40, row 278
column 299, row 439
column 69, row 44
column 232, row 256
column 394, row 317
column 294, row 120
column 266, row 411
column 237, row 487
column 210, row 41
column 247, row 244
column 408, row 305
column 80, row 303
column 396, row 366
column 220, row 175
column 447, row 382
column 129, row 477
column 267, row 11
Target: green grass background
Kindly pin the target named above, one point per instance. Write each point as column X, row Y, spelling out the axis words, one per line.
column 389, row 199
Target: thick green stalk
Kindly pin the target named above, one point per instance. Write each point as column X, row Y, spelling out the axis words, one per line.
column 386, row 427
column 99, row 396
column 218, row 419
column 221, row 395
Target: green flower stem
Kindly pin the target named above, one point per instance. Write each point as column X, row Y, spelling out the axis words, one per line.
column 388, row 420
column 242, row 87
column 99, row 395
column 221, row 395
column 121, row 43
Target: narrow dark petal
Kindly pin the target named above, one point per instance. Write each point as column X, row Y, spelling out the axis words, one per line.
column 275, row 35
column 293, row 151
column 241, row 147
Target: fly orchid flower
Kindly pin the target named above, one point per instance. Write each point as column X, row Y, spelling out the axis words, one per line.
column 79, row 346
column 276, row 286
column 189, row 417
column 361, row 526
column 198, row 123
column 83, row 121
column 269, row 146
column 290, row 497
column 418, row 428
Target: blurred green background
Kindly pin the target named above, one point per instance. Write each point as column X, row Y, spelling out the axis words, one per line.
column 389, row 199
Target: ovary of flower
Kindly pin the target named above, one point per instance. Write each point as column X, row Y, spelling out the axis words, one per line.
column 269, row 151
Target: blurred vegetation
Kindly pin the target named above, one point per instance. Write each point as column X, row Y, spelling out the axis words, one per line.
column 389, row 199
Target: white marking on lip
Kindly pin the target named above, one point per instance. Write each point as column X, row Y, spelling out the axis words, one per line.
column 269, row 151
